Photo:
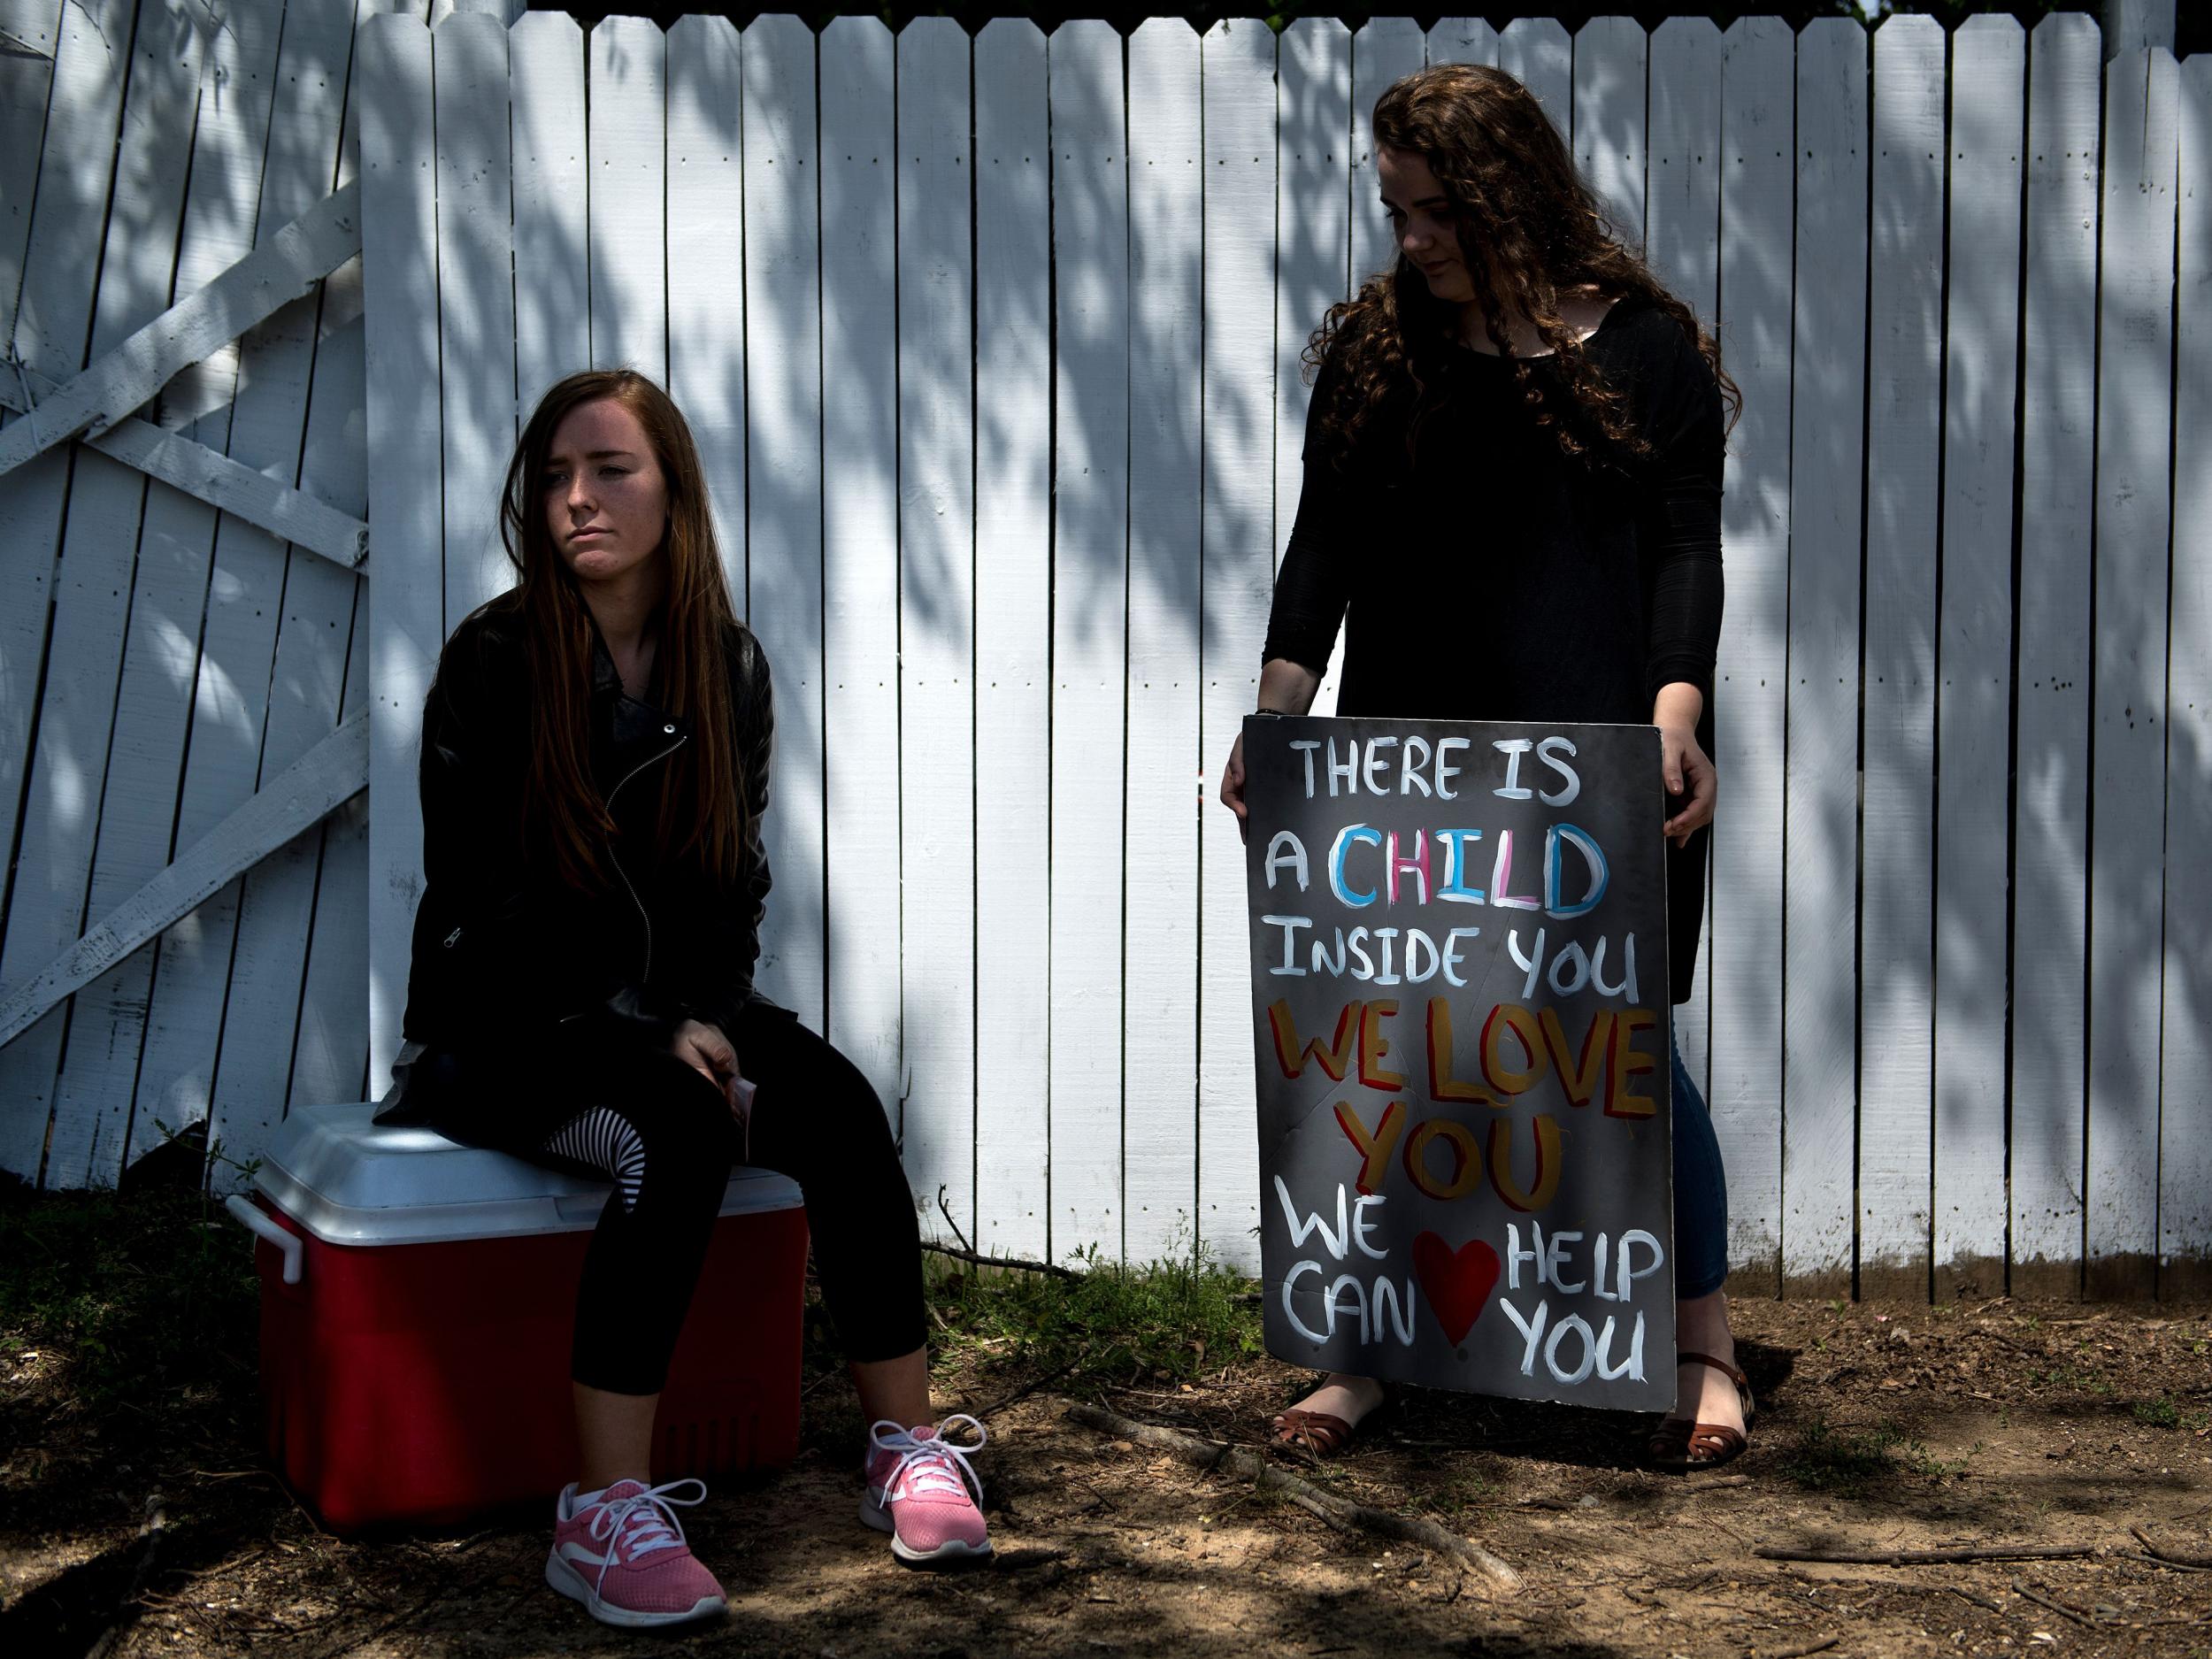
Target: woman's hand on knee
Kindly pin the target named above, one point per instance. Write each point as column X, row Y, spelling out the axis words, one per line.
column 708, row 1052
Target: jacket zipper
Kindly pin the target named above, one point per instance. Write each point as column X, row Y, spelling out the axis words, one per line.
column 652, row 760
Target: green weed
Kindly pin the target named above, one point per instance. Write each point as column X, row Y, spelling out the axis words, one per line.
column 1825, row 1459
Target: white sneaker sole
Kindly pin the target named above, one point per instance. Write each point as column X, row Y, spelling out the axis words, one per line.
column 952, row 1553
column 576, row 1587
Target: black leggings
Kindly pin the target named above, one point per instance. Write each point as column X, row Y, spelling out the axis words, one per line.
column 664, row 1135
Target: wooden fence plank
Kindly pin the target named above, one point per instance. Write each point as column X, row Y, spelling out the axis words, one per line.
column 1539, row 53
column 2128, row 741
column 50, row 325
column 27, row 77
column 1237, row 544
column 1609, row 118
column 860, row 546
column 400, row 340
column 1462, row 41
column 1819, row 905
column 1312, row 229
column 2185, row 1146
column 288, row 265
column 545, row 68
column 1013, row 637
column 170, row 591
column 706, row 242
column 1974, row 708
column 476, row 302
column 1384, row 50
column 1755, row 308
column 1681, row 230
column 784, row 414
column 2051, row 742
column 629, row 255
column 1904, row 423
column 1160, row 949
column 937, row 700
column 335, row 770
column 207, row 475
column 1090, row 575
column 235, row 740
column 64, row 812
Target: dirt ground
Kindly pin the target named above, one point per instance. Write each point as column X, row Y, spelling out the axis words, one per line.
column 1881, row 1427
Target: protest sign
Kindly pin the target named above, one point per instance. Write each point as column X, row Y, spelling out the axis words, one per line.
column 1460, row 1006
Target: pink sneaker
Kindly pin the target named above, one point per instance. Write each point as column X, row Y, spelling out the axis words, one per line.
column 918, row 1492
column 624, row 1558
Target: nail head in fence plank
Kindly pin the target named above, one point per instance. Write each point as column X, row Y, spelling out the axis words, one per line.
column 1974, row 700
column 1013, row 636
column 783, row 325
column 2134, row 397
column 936, row 603
column 2051, row 745
column 1755, row 304
column 1159, row 1127
column 1237, row 535
column 335, row 770
column 287, row 266
column 1905, row 404
column 629, row 263
column 2184, row 1154
column 1090, row 229
column 399, row 275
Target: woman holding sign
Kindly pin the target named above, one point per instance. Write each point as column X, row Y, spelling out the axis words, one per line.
column 1512, row 507
column 594, row 770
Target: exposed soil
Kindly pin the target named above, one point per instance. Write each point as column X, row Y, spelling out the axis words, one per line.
column 1881, row 1427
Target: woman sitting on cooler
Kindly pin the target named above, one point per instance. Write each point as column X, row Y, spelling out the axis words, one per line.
column 595, row 770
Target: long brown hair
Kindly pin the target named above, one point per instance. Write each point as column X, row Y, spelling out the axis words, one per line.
column 704, row 791
column 1528, row 227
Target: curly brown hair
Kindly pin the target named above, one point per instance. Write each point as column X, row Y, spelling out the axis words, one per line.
column 1529, row 228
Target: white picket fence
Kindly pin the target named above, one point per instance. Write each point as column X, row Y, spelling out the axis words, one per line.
column 992, row 346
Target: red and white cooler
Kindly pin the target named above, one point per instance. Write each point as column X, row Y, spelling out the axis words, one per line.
column 417, row 1299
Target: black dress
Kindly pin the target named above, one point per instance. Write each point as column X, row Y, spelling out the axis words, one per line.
column 1489, row 576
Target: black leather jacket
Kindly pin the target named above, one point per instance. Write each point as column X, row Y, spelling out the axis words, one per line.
column 500, row 948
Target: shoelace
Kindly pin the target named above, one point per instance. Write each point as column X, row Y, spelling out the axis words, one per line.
column 936, row 1465
column 641, row 1523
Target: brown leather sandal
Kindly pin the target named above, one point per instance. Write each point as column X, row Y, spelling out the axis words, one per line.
column 1323, row 1433
column 1681, row 1445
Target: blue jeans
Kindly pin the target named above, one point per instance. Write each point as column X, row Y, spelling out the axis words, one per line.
column 1701, row 1192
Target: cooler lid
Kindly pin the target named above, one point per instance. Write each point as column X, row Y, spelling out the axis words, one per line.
column 345, row 1181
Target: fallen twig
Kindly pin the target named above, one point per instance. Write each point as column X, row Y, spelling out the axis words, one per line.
column 2171, row 1557
column 156, row 1519
column 1978, row 1600
column 1013, row 1262
column 2058, row 1608
column 1923, row 1557
column 1806, row 1652
column 1243, row 1460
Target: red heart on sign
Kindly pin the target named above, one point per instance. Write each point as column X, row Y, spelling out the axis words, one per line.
column 1457, row 1282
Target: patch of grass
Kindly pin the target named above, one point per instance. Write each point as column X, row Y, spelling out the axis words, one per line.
column 138, row 1296
column 1115, row 1323
column 2163, row 1413
column 1826, row 1459
column 2068, row 1377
